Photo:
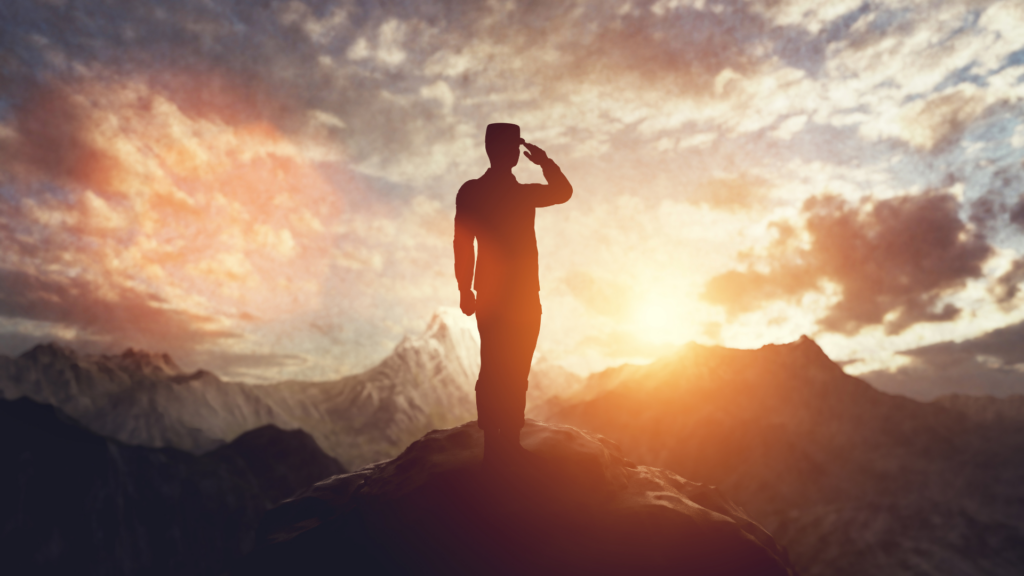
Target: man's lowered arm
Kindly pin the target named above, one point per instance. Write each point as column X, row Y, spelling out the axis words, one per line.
column 558, row 189
column 465, row 254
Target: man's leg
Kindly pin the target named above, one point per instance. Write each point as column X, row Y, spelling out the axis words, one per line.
column 487, row 385
column 521, row 324
column 509, row 328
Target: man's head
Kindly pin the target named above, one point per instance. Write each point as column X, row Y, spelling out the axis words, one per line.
column 502, row 143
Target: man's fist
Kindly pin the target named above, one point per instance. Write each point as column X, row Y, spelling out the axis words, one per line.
column 535, row 154
column 467, row 301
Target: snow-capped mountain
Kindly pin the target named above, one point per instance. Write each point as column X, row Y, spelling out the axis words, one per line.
column 145, row 399
column 137, row 397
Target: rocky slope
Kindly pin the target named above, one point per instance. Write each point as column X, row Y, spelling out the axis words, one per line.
column 74, row 502
column 849, row 479
column 1008, row 410
column 576, row 507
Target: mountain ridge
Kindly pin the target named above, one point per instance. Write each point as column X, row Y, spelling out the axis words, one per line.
column 77, row 502
column 146, row 399
column 815, row 454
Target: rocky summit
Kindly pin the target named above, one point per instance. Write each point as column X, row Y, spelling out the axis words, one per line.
column 572, row 505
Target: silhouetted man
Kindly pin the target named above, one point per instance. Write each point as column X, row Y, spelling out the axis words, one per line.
column 499, row 212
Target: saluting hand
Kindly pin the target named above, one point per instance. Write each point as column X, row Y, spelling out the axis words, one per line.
column 535, row 154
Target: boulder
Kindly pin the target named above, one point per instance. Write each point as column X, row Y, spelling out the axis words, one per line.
column 572, row 505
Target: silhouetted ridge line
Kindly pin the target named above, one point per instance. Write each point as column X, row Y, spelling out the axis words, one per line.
column 75, row 502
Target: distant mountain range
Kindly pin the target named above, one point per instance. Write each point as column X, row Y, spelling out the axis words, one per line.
column 850, row 479
column 145, row 399
column 74, row 502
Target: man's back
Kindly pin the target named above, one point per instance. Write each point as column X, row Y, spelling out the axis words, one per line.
column 499, row 212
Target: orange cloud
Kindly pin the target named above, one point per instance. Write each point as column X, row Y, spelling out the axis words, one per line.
column 118, row 190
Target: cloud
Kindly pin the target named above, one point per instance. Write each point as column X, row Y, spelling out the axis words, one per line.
column 147, row 226
column 927, row 75
column 51, row 138
column 1017, row 212
column 145, row 147
column 814, row 16
column 991, row 364
column 891, row 260
column 732, row 193
column 1007, row 285
column 941, row 119
column 111, row 315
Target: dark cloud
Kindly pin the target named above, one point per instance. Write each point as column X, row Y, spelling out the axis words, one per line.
column 991, row 364
column 991, row 210
column 986, row 211
column 190, row 43
column 117, row 316
column 1017, row 212
column 684, row 47
column 52, row 141
column 1007, row 286
column 898, row 256
column 264, row 59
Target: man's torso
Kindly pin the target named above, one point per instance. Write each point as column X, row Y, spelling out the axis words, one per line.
column 503, row 223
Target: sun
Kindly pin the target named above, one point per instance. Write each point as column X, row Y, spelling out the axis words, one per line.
column 658, row 317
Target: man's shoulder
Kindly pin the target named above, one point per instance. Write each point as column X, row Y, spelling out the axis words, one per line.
column 468, row 190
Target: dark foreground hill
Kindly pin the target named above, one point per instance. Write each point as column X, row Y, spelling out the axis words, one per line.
column 74, row 502
column 851, row 480
column 575, row 507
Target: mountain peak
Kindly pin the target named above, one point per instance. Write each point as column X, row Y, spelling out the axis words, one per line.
column 149, row 363
column 49, row 352
column 803, row 349
column 450, row 319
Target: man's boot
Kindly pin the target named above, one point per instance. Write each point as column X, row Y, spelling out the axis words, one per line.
column 513, row 454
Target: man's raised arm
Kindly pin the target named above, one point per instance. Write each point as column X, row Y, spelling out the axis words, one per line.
column 465, row 254
column 557, row 190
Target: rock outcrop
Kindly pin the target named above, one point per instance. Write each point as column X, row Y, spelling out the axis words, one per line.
column 575, row 506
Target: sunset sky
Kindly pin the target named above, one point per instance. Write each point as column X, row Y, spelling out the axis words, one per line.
column 266, row 189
